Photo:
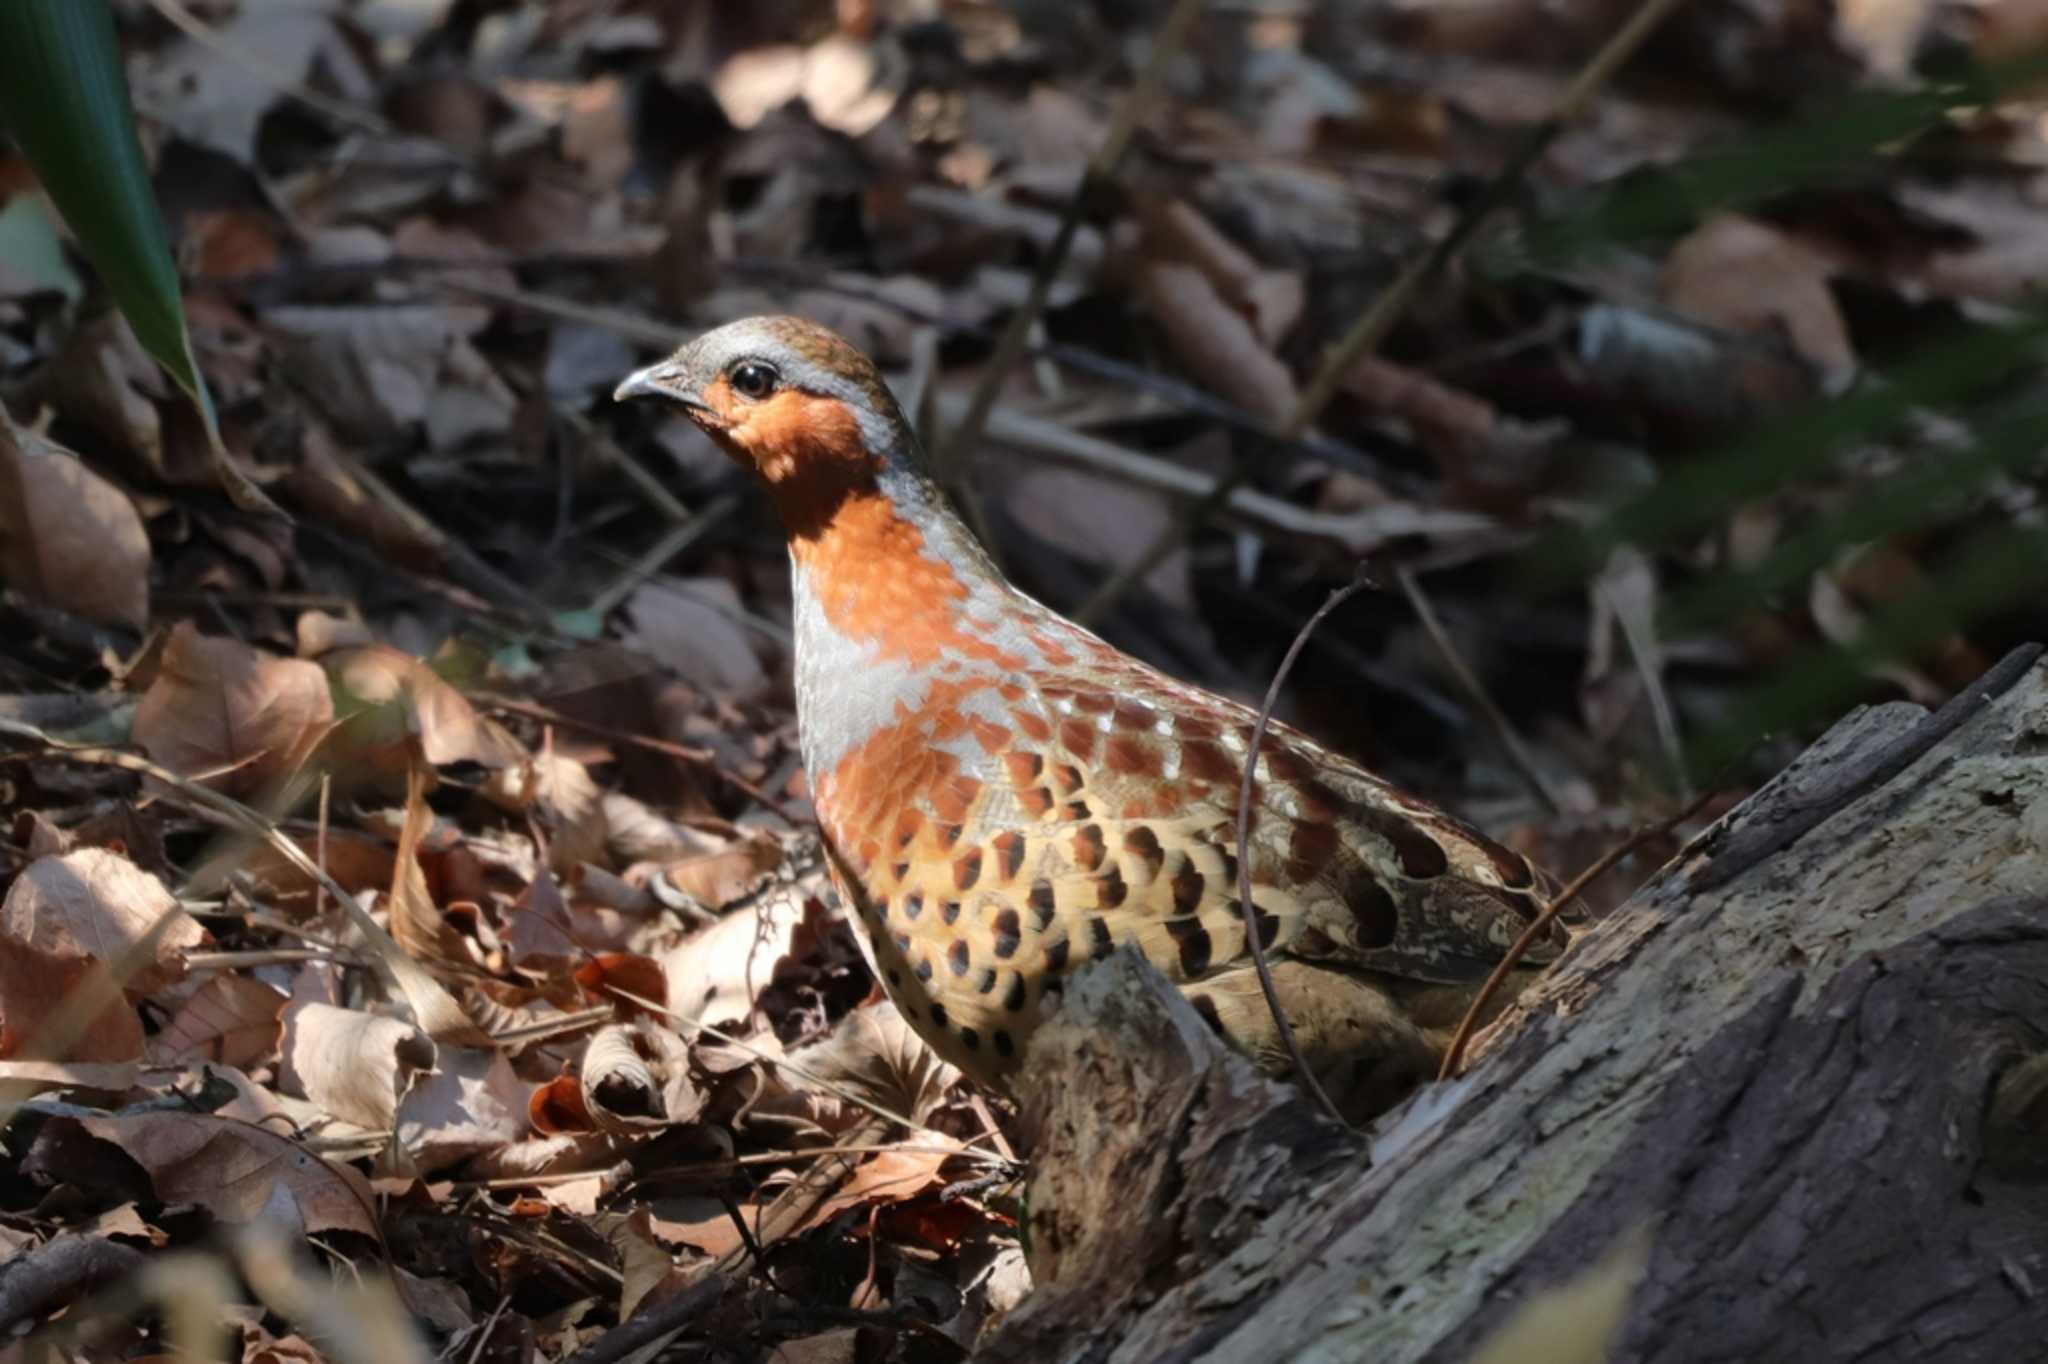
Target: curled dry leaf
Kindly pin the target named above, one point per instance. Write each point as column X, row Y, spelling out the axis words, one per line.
column 636, row 1078
column 416, row 921
column 355, row 1065
column 388, row 703
column 716, row 976
column 229, row 715
column 33, row 981
column 231, row 1019
column 67, row 536
column 97, row 903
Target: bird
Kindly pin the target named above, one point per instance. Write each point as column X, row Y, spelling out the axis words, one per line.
column 1004, row 796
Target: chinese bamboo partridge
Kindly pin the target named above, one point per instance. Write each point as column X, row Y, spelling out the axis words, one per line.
column 1005, row 797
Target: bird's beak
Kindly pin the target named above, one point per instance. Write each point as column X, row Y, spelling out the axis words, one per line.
column 657, row 381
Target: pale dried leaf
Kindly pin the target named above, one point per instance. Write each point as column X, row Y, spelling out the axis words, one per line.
column 97, row 903
column 416, row 921
column 472, row 1102
column 712, row 881
column 716, row 976
column 692, row 627
column 566, row 799
column 1746, row 277
column 372, row 371
column 355, row 1065
column 877, row 1055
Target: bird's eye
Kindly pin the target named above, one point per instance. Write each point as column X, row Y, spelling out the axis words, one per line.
column 752, row 379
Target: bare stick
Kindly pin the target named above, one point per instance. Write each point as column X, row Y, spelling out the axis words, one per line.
column 1244, row 861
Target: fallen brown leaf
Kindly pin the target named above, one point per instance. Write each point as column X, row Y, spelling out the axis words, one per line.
column 67, row 536
column 33, row 981
column 229, row 715
column 231, row 1019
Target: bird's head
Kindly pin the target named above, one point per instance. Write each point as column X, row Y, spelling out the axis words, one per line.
column 790, row 399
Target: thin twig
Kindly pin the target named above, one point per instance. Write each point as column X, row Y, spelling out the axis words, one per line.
column 1378, row 320
column 1244, row 861
column 1101, row 167
column 1503, row 728
column 1455, row 1052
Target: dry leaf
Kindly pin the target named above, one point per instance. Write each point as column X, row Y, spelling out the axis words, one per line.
column 67, row 536
column 354, row 1065
column 470, row 1103
column 33, row 982
column 874, row 1053
column 97, row 903
column 1215, row 343
column 635, row 1078
column 567, row 800
column 231, row 1019
column 372, row 371
column 229, row 715
column 416, row 921
column 691, row 627
column 714, row 880
column 388, row 703
column 1743, row 276
column 716, row 976
column 235, row 1170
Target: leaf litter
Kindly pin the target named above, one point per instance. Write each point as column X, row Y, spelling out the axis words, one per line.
column 448, row 908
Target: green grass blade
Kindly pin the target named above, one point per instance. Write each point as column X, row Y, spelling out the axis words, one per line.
column 65, row 101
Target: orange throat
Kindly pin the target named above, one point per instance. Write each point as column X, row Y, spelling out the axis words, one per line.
column 873, row 579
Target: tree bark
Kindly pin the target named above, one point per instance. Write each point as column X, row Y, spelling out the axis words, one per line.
column 1806, row 1066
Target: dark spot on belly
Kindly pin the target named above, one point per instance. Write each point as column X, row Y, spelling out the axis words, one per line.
column 1041, row 902
column 1193, row 940
column 1009, row 932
